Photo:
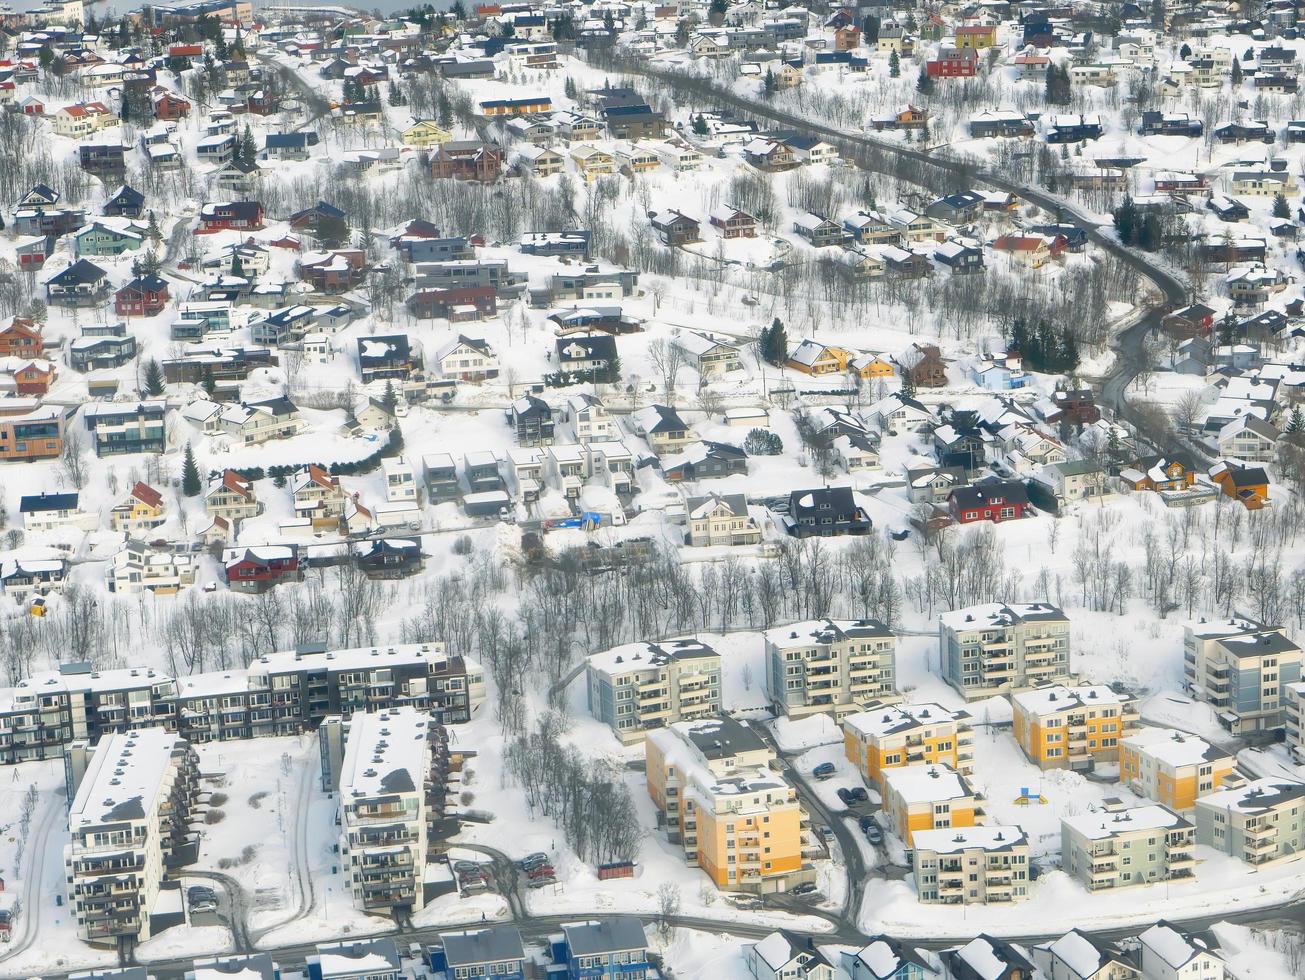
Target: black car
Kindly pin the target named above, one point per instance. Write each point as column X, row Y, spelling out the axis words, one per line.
column 858, row 794
column 846, row 796
column 806, row 888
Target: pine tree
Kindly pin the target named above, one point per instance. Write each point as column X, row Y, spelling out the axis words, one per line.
column 1236, row 72
column 908, row 383
column 614, row 369
column 894, row 64
column 237, row 266
column 769, row 85
column 154, row 383
column 190, row 483
column 1296, row 424
column 778, row 343
column 152, row 231
column 1281, row 209
column 924, row 82
column 208, row 382
column 1126, row 221
column 700, row 125
column 390, row 398
column 870, row 29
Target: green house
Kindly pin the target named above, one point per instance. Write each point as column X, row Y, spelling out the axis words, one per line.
column 98, row 239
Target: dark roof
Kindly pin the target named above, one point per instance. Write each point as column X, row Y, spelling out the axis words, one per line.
column 985, row 493
column 147, row 284
column 597, row 347
column 396, row 347
column 492, row 945
column 37, row 503
column 128, row 196
column 81, row 271
column 615, row 934
column 839, row 500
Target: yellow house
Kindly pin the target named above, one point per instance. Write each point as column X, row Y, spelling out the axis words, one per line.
column 1062, row 727
column 592, row 162
column 871, row 367
column 1172, row 767
column 811, row 357
column 425, row 132
column 142, row 510
column 928, row 797
column 736, row 818
column 888, row 736
column 977, row 36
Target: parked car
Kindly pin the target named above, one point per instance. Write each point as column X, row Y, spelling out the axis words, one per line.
column 541, row 882
column 461, row 866
column 845, row 795
column 543, row 871
column 823, row 771
column 874, row 835
column 826, row 831
column 865, row 823
column 532, row 860
column 858, row 794
column 806, row 888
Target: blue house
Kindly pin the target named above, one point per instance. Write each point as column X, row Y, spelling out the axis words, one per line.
column 495, row 951
column 607, row 949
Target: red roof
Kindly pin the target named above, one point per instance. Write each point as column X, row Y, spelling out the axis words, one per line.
column 146, row 494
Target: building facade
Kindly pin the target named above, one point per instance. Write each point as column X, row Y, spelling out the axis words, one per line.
column 639, row 687
column 1172, row 767
column 831, row 666
column 971, row 866
column 886, row 736
column 1119, row 847
column 998, row 649
column 1240, row 668
column 1062, row 727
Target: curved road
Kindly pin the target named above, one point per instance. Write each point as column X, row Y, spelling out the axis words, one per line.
column 885, row 156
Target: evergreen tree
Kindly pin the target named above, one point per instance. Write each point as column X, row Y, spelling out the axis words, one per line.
column 208, row 382
column 894, row 65
column 153, row 232
column 1185, row 52
column 154, row 383
column 870, row 29
column 1151, row 236
column 237, row 266
column 924, row 82
column 777, row 343
column 1226, row 331
column 390, row 398
column 614, row 369
column 1281, row 209
column 124, row 110
column 700, row 125
column 1126, row 221
column 190, row 483
column 908, row 383
column 769, row 85
column 1236, row 72
column 609, row 22
column 1296, row 423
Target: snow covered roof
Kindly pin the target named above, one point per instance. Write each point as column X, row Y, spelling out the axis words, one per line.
column 1259, row 796
column 124, row 779
column 928, row 783
column 649, row 656
column 1173, row 748
column 953, row 840
column 996, row 615
column 1140, row 819
column 386, row 753
column 1175, row 947
column 1055, row 698
column 878, row 721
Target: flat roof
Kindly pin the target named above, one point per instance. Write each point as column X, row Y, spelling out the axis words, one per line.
column 386, row 753
column 124, row 778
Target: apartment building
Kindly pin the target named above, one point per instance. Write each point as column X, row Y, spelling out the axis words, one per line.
column 929, row 797
column 886, row 736
column 830, row 666
column 639, row 687
column 1258, row 822
column 384, row 819
column 1062, row 727
column 48, row 711
column 1241, row 668
column 1172, row 767
column 999, row 649
column 291, row 692
column 1119, row 847
column 971, row 865
column 128, row 824
column 283, row 693
column 736, row 817
column 491, row 951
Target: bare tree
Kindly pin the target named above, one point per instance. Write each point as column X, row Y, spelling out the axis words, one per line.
column 72, row 459
column 667, row 360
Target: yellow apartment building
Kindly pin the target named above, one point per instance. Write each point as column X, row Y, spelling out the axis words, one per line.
column 1172, row 767
column 886, row 736
column 929, row 797
column 736, row 818
column 1062, row 727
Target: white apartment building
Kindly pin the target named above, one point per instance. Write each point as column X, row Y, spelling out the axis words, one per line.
column 127, row 825
column 638, row 687
column 400, row 480
column 971, row 865
column 832, row 666
column 999, row 649
column 1117, row 848
column 384, row 816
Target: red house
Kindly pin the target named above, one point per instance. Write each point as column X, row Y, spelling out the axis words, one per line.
column 143, row 296
column 458, row 305
column 953, row 63
column 989, row 500
column 22, row 338
column 34, row 378
column 239, row 215
column 259, row 569
column 169, row 107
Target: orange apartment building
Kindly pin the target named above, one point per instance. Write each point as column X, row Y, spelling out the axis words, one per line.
column 27, row 438
column 929, row 797
column 1173, row 767
column 736, row 817
column 1062, row 727
column 888, row 736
